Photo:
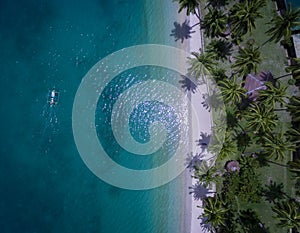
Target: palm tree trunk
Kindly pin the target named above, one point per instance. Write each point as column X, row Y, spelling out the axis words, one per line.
column 282, row 76
column 241, row 127
column 269, row 161
column 280, row 109
column 278, row 164
column 201, row 33
column 263, row 44
column 198, row 13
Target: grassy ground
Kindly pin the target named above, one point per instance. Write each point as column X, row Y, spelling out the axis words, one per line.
column 273, row 56
column 274, row 60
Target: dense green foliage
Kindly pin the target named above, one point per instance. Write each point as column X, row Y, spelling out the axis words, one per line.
column 260, row 133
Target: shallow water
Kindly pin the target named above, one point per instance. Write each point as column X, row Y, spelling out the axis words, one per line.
column 45, row 186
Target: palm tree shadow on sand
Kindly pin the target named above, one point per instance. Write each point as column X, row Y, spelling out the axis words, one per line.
column 199, row 191
column 203, row 141
column 187, row 84
column 206, row 227
column 195, row 160
column 182, row 31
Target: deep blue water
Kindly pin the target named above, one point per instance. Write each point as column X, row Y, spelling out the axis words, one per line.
column 44, row 184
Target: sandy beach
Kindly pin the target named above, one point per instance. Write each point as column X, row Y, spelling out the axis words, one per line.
column 203, row 119
column 190, row 221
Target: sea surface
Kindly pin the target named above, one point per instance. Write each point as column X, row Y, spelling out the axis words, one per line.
column 294, row 3
column 44, row 184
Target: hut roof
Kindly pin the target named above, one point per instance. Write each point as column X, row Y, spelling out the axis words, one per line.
column 254, row 83
column 232, row 166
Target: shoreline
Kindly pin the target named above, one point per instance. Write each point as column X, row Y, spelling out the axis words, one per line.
column 189, row 222
column 190, row 212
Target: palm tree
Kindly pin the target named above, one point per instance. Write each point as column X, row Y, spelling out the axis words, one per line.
column 214, row 23
column 200, row 65
column 250, row 222
column 231, row 91
column 232, row 119
column 218, row 74
column 260, row 118
column 205, row 174
column 247, row 162
column 275, row 146
column 217, row 3
column 191, row 6
column 244, row 140
column 262, row 159
column 247, row 60
column 226, row 149
column 220, row 49
column 295, row 69
column 294, row 168
column 273, row 192
column 293, row 107
column 214, row 212
column 288, row 214
column 282, row 24
column 293, row 135
column 273, row 94
column 243, row 15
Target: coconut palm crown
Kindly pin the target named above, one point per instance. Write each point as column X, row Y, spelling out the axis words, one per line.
column 282, row 24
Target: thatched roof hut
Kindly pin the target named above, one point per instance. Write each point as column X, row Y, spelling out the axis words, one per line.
column 232, row 166
column 254, row 83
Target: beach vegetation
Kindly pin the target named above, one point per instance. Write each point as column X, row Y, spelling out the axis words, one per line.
column 260, row 118
column 232, row 92
column 220, row 49
column 247, row 60
column 214, row 212
column 294, row 68
column 243, row 38
column 191, row 6
column 200, row 64
column 272, row 94
column 242, row 16
column 287, row 214
column 214, row 23
column 282, row 24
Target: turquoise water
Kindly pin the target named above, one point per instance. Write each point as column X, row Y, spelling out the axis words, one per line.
column 45, row 186
column 295, row 3
column 145, row 114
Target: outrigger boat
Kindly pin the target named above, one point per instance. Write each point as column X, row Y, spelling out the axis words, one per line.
column 53, row 97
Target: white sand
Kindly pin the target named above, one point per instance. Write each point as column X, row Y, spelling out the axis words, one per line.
column 204, row 121
column 201, row 123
